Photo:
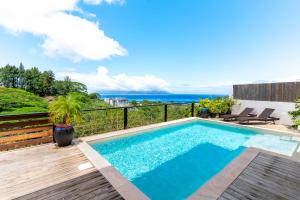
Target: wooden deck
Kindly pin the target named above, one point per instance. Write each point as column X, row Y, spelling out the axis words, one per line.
column 266, row 177
column 48, row 172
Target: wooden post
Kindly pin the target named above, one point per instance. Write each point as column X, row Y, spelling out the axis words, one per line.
column 166, row 112
column 192, row 110
column 125, row 117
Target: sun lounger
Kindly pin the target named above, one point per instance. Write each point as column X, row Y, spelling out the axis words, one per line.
column 264, row 116
column 245, row 113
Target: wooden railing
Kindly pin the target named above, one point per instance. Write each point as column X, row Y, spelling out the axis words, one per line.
column 24, row 130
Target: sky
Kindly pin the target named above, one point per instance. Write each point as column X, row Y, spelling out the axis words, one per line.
column 180, row 46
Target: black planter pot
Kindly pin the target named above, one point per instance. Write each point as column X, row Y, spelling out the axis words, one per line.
column 63, row 135
column 204, row 113
column 213, row 115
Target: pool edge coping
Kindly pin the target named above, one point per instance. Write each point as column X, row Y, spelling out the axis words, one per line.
column 295, row 136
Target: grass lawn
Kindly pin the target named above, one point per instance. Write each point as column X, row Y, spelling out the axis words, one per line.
column 15, row 101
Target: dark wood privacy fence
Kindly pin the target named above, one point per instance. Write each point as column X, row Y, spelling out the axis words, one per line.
column 283, row 92
column 24, row 130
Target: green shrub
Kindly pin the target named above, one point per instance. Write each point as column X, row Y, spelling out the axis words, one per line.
column 221, row 105
column 296, row 113
column 297, row 122
column 134, row 103
column 94, row 95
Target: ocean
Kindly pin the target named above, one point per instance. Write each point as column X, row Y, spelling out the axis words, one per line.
column 174, row 98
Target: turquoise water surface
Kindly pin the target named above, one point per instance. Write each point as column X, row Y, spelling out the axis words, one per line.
column 174, row 161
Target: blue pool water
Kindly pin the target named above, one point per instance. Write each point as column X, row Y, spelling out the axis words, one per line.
column 173, row 162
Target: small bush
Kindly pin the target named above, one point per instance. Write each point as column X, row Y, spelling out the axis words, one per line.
column 221, row 105
column 94, row 96
column 296, row 113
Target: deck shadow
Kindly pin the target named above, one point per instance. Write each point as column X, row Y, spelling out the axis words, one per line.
column 89, row 186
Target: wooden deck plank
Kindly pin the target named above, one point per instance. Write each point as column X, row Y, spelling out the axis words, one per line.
column 80, row 187
column 277, row 168
column 272, row 174
column 285, row 167
column 49, row 172
column 282, row 161
column 273, row 182
column 266, row 177
column 274, row 190
column 51, row 189
column 52, row 166
column 244, row 190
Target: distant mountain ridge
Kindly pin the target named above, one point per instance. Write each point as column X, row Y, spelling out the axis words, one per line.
column 132, row 92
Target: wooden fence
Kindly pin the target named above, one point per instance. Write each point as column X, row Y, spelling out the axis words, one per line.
column 282, row 92
column 24, row 130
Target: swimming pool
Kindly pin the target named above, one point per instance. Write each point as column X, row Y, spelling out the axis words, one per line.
column 174, row 161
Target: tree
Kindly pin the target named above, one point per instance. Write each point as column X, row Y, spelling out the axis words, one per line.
column 59, row 87
column 78, row 87
column 21, row 81
column 47, row 79
column 66, row 86
column 9, row 76
column 32, row 80
column 63, row 87
column 37, row 82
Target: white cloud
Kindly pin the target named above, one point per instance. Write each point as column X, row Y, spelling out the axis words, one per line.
column 63, row 33
column 96, row 2
column 289, row 79
column 101, row 80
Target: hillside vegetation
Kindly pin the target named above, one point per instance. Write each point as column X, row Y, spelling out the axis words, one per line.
column 42, row 83
column 19, row 101
column 14, row 101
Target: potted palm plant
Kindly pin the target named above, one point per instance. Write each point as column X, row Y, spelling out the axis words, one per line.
column 204, row 105
column 64, row 111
